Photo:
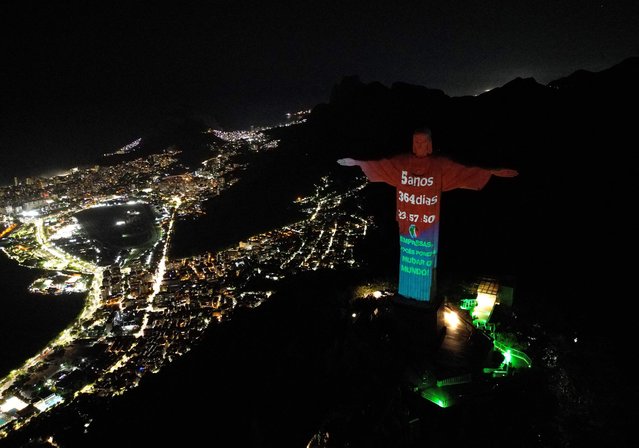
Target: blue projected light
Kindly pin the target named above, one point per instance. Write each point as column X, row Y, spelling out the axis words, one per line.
column 419, row 180
column 418, row 255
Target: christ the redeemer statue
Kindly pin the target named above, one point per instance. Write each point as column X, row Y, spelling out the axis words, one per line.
column 420, row 179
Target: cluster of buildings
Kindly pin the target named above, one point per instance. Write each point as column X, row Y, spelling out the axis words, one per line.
column 81, row 188
column 143, row 312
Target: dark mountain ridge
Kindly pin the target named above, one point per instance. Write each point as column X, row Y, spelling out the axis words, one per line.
column 567, row 139
column 273, row 375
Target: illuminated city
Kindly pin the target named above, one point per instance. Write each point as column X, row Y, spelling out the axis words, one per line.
column 319, row 224
column 142, row 309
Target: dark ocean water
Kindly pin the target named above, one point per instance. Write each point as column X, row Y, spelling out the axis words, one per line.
column 44, row 144
column 29, row 321
column 35, row 164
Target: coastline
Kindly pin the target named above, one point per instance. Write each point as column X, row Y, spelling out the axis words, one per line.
column 32, row 319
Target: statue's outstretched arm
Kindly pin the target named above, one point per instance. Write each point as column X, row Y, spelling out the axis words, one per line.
column 504, row 172
column 375, row 170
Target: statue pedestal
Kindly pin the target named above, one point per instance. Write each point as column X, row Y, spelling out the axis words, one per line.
column 418, row 325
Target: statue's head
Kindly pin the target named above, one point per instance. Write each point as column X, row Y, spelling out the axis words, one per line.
column 422, row 143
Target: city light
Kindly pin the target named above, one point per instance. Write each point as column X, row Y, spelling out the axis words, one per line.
column 165, row 303
column 13, row 403
column 452, row 319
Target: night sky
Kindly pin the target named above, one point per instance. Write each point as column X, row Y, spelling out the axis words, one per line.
column 80, row 79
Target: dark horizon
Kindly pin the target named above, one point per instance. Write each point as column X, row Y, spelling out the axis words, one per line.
column 555, row 231
column 86, row 131
column 81, row 79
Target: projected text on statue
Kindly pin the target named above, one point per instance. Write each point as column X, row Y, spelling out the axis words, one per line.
column 420, row 178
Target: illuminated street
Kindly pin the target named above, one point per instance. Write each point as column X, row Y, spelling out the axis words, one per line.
column 142, row 309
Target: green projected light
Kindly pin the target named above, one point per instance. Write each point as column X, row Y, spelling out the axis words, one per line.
column 513, row 357
column 439, row 396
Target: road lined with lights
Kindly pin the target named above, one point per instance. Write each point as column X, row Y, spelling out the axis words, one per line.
column 142, row 313
column 159, row 273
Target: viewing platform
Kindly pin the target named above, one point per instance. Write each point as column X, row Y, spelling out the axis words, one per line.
column 470, row 346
